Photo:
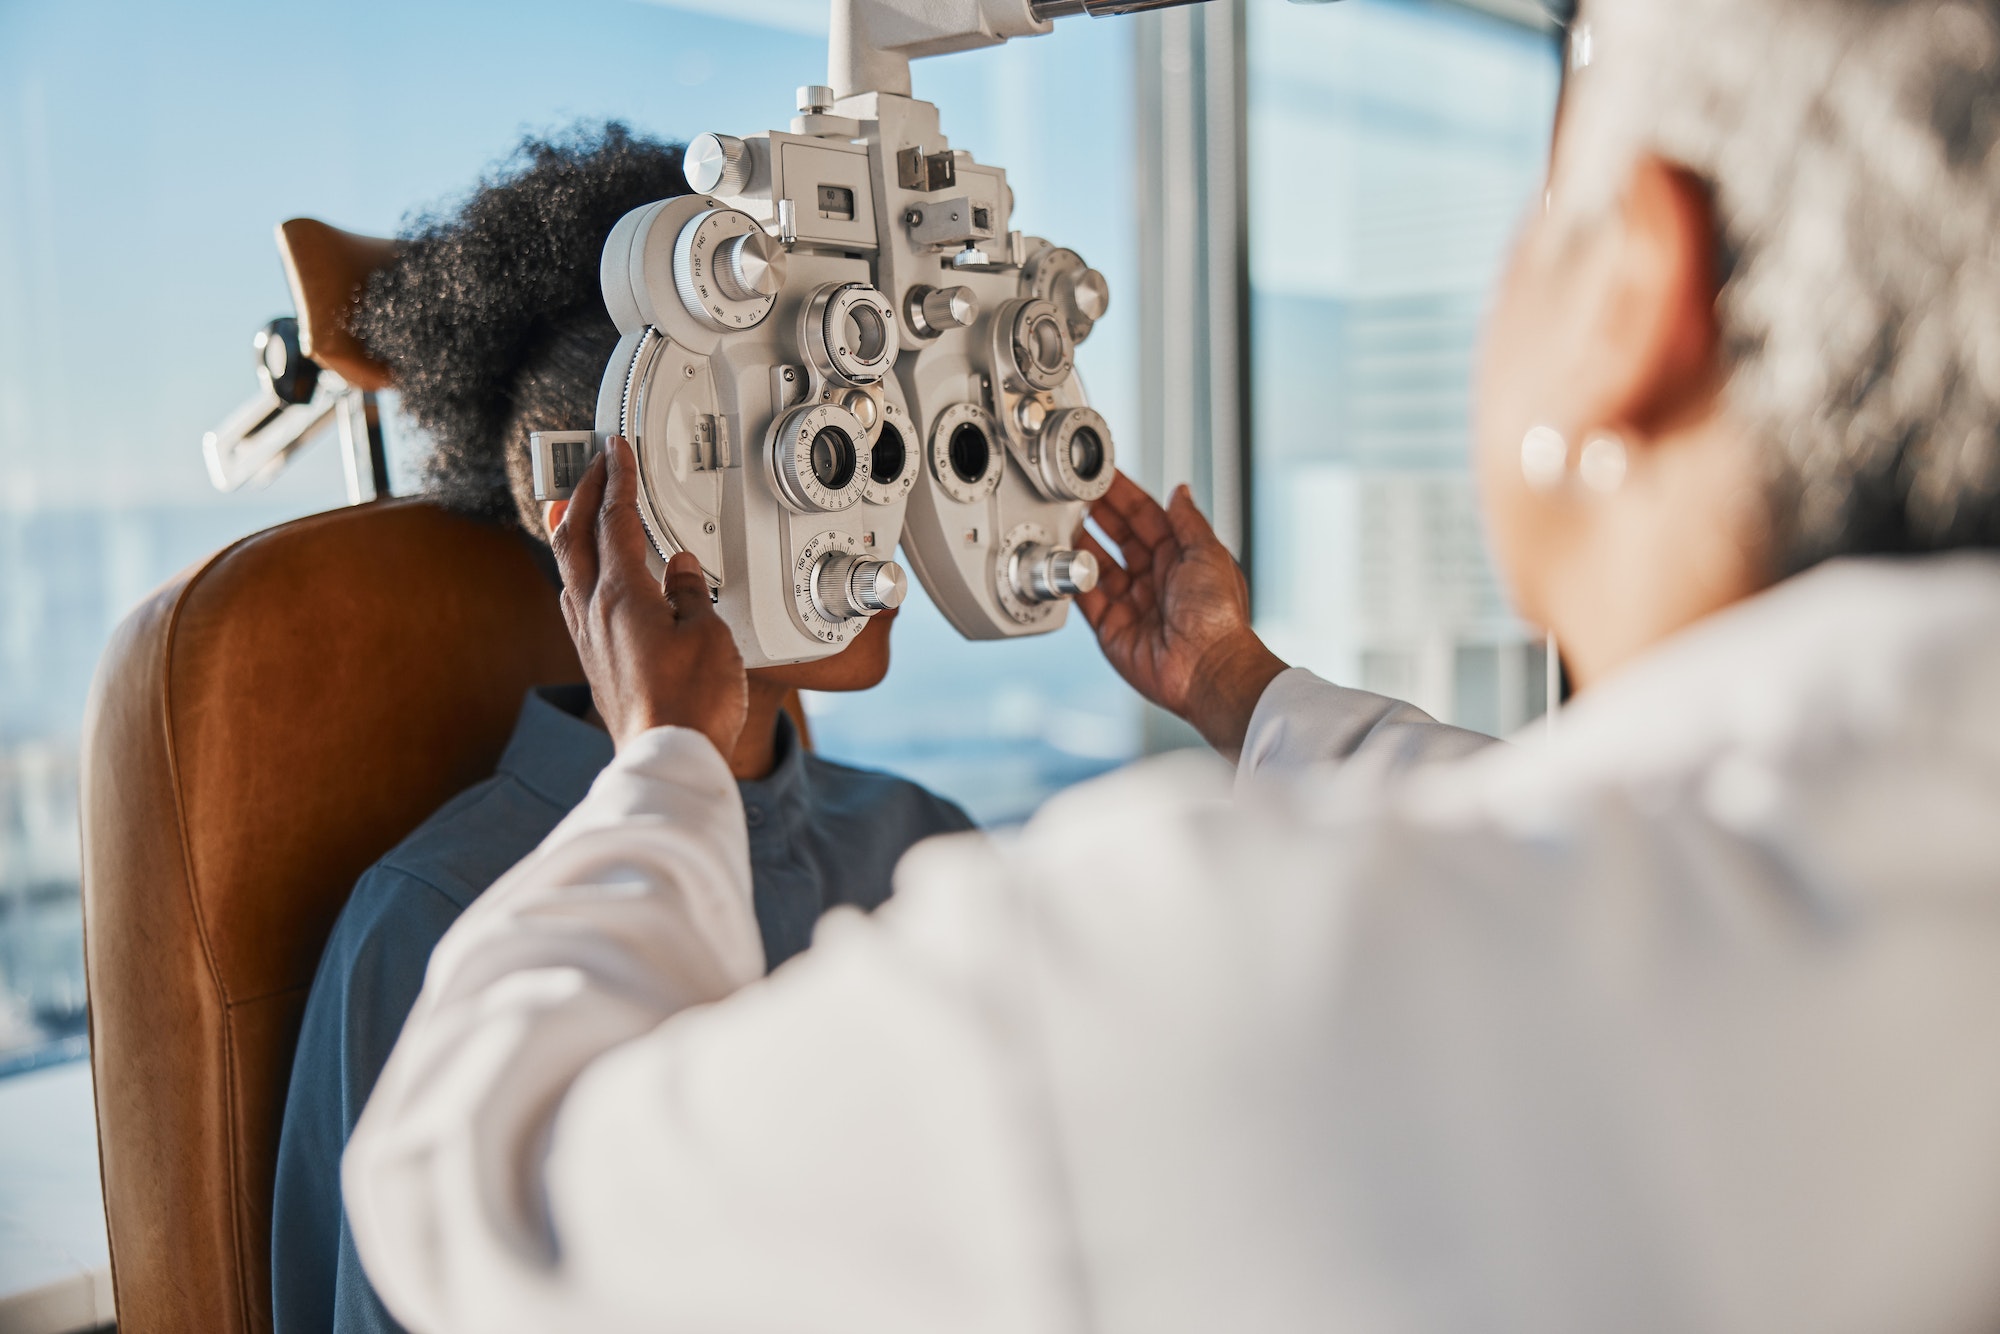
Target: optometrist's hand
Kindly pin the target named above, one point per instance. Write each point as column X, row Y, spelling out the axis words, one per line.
column 657, row 655
column 1174, row 616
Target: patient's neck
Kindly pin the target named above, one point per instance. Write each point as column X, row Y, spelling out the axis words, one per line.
column 757, row 748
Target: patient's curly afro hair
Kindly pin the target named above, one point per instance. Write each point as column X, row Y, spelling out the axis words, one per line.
column 491, row 317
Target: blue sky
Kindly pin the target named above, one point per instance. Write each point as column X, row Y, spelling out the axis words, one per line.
column 146, row 150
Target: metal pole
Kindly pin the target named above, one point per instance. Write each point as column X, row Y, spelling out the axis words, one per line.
column 1099, row 9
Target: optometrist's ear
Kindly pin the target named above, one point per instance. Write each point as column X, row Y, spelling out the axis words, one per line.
column 1654, row 331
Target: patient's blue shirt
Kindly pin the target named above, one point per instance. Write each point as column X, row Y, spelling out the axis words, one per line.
column 820, row 834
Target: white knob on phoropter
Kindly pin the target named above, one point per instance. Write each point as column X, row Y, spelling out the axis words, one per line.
column 932, row 310
column 751, row 267
column 727, row 269
column 1042, row 573
column 1063, row 574
column 844, row 587
column 717, row 164
column 1090, row 294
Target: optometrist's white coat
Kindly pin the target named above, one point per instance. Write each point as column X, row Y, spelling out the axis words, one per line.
column 1681, row 1015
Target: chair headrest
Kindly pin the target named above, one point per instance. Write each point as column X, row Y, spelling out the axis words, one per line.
column 328, row 269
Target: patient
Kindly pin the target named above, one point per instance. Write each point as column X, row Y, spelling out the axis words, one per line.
column 494, row 326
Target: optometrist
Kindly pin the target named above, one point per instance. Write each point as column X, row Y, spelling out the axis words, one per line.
column 1678, row 1017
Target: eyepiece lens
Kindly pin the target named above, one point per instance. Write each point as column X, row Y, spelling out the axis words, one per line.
column 886, row 464
column 866, row 333
column 1086, row 453
column 1047, row 343
column 970, row 452
column 833, row 458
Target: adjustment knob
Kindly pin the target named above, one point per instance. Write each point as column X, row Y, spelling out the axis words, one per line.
column 1047, row 574
column 878, row 585
column 717, row 164
column 932, row 310
column 1080, row 292
column 844, row 587
column 815, row 99
column 1089, row 294
column 286, row 371
column 727, row 269
column 751, row 267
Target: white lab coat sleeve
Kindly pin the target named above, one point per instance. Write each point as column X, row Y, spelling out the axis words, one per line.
column 548, row 1148
column 1302, row 720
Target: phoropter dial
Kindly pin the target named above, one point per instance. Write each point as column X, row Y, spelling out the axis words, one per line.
column 1060, row 276
column 835, row 588
column 845, row 586
column 1073, row 455
column 849, row 334
column 1035, row 343
column 728, row 269
column 820, row 459
column 1032, row 574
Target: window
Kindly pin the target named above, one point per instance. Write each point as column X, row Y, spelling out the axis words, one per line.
column 1394, row 146
column 139, row 182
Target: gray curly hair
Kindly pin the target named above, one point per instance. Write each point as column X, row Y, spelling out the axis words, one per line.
column 1849, row 145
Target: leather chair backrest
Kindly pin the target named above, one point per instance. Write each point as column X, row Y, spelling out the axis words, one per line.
column 261, row 730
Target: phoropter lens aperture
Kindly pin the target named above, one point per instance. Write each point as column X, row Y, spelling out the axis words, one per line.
column 867, row 335
column 971, row 452
column 1047, row 344
column 1086, row 453
column 886, row 463
column 833, row 458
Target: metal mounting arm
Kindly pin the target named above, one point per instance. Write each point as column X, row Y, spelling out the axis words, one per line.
column 872, row 42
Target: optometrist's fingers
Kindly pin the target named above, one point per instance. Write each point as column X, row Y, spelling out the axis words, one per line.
column 1111, row 521
column 1140, row 512
column 686, row 588
column 1191, row 527
column 1112, row 578
column 622, row 545
column 1112, row 581
column 574, row 540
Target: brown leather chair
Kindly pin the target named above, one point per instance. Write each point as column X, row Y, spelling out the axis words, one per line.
column 261, row 730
